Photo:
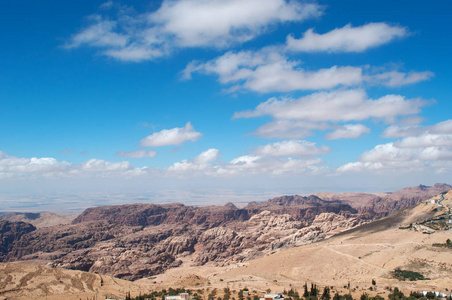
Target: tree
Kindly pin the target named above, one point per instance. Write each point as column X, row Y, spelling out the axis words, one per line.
column 374, row 282
column 305, row 293
column 326, row 293
column 396, row 294
column 314, row 291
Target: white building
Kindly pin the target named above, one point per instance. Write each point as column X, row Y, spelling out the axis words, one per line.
column 181, row 296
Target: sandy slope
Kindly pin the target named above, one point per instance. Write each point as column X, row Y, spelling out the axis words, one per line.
column 26, row 281
column 39, row 220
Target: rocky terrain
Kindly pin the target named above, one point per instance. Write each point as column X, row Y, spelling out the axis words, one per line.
column 141, row 240
column 356, row 261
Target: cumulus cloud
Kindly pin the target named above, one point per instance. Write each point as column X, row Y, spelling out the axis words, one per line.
column 347, row 131
column 254, row 164
column 12, row 166
column 336, row 106
column 289, row 129
column 428, row 147
column 386, row 152
column 220, row 22
column 137, row 154
column 396, row 131
column 291, row 148
column 100, row 165
column 268, row 71
column 174, row 136
column 207, row 156
column 441, row 127
column 266, row 160
column 186, row 23
column 201, row 164
column 426, row 140
column 347, row 38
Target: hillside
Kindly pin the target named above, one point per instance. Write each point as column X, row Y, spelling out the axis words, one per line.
column 26, row 281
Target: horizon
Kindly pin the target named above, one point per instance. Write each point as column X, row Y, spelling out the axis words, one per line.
column 239, row 201
column 209, row 102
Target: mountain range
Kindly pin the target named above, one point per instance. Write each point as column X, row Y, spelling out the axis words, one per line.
column 136, row 241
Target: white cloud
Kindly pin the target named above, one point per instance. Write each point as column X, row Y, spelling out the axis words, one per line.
column 100, row 165
column 186, row 23
column 12, row 166
column 347, row 38
column 336, row 106
column 221, row 22
column 201, row 164
column 291, row 148
column 289, row 129
column 270, row 162
column 268, row 71
column 397, row 78
column 174, row 136
column 254, row 164
column 207, row 156
column 387, row 152
column 395, row 131
column 421, row 148
column 347, row 131
column 135, row 53
column 426, row 140
column 137, row 153
column 357, row 167
column 415, row 130
column 442, row 127
column 99, row 34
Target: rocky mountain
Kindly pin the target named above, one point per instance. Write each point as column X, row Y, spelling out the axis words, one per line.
column 140, row 240
column 10, row 234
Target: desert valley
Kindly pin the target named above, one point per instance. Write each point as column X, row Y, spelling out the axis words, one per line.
column 351, row 242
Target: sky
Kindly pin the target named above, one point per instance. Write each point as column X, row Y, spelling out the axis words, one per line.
column 210, row 101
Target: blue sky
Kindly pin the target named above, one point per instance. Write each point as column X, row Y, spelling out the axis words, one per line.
column 211, row 101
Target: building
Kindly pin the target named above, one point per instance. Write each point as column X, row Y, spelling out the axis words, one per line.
column 181, row 296
column 278, row 296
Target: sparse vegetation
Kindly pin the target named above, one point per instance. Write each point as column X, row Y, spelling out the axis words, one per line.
column 407, row 275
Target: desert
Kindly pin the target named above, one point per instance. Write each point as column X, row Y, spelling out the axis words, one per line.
column 291, row 247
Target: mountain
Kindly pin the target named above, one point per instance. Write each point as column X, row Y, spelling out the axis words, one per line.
column 141, row 240
column 359, row 260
